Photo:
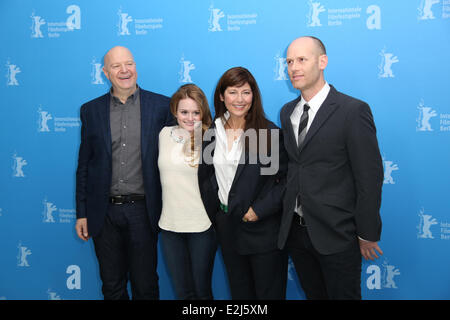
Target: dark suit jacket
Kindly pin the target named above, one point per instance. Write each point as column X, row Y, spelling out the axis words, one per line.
column 263, row 193
column 93, row 178
column 338, row 172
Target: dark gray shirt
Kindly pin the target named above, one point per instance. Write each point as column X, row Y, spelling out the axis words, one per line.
column 125, row 121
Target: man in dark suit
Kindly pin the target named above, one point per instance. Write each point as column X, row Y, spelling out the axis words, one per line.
column 118, row 192
column 335, row 174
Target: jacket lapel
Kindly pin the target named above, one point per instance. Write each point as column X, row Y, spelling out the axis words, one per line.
column 208, row 148
column 325, row 111
column 290, row 110
column 242, row 163
column 291, row 144
column 147, row 122
column 103, row 114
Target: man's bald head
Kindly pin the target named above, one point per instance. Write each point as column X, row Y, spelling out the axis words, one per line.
column 317, row 44
column 120, row 69
column 306, row 59
column 116, row 51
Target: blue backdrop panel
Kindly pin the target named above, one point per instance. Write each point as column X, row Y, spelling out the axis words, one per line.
column 392, row 54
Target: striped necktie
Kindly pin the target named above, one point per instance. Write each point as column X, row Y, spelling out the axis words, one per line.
column 303, row 124
column 301, row 137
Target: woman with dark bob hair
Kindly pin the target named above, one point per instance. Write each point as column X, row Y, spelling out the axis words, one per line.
column 242, row 180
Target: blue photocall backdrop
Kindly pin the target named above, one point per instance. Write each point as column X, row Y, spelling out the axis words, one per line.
column 391, row 54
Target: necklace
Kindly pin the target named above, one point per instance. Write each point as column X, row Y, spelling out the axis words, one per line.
column 232, row 132
column 190, row 156
column 176, row 137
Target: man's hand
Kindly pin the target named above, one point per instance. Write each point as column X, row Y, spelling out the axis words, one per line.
column 82, row 229
column 369, row 248
column 250, row 216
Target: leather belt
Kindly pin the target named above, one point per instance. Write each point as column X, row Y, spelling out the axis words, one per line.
column 299, row 219
column 126, row 198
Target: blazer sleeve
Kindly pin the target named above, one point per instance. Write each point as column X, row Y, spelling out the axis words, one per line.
column 269, row 200
column 84, row 155
column 170, row 119
column 208, row 192
column 367, row 168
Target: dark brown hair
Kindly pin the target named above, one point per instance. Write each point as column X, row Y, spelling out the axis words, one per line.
column 237, row 77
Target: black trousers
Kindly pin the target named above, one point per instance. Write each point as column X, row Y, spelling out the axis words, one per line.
column 323, row 277
column 126, row 249
column 260, row 276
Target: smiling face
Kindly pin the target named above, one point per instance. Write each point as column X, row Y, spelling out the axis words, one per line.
column 238, row 100
column 188, row 112
column 120, row 69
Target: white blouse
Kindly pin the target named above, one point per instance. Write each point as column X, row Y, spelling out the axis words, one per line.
column 225, row 162
column 182, row 209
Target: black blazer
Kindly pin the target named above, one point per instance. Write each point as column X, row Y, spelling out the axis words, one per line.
column 338, row 172
column 263, row 193
column 93, row 177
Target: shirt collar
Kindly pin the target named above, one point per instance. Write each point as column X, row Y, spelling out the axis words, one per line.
column 220, row 123
column 318, row 99
column 133, row 97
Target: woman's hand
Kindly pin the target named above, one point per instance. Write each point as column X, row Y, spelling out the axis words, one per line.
column 250, row 216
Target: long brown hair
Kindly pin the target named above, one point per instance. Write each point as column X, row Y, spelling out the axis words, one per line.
column 255, row 118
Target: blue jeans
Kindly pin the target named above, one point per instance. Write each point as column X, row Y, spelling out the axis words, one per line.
column 190, row 260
